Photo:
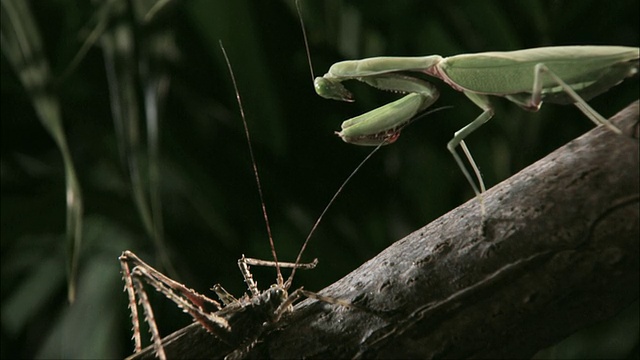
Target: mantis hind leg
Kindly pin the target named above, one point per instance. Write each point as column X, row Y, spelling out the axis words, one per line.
column 535, row 99
column 481, row 101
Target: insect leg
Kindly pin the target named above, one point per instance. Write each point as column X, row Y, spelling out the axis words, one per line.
column 156, row 339
column 135, row 319
column 481, row 101
column 537, row 97
column 135, row 271
column 258, row 262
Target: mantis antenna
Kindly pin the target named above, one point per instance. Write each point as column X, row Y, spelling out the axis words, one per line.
column 306, row 41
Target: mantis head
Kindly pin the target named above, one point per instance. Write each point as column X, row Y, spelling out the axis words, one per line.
column 332, row 89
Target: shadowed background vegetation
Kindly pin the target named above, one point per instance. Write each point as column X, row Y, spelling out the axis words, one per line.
column 177, row 188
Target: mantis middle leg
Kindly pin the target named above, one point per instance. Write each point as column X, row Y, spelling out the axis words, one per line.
column 458, row 139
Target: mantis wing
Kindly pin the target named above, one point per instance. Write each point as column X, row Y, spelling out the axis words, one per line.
column 596, row 68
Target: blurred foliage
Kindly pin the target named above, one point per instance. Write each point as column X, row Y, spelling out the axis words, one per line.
column 156, row 139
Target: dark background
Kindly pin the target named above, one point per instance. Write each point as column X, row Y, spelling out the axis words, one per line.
column 211, row 210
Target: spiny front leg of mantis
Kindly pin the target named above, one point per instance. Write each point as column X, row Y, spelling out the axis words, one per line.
column 382, row 125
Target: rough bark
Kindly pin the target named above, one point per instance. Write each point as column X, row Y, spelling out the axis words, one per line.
column 558, row 250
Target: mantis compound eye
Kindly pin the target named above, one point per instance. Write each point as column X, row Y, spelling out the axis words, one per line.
column 331, row 89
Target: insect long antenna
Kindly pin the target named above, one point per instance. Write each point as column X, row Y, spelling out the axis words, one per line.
column 287, row 284
column 306, row 42
column 255, row 167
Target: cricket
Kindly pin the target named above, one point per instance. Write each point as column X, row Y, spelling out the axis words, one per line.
column 238, row 322
column 557, row 74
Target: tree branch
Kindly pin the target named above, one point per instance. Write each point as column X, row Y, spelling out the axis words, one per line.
column 558, row 251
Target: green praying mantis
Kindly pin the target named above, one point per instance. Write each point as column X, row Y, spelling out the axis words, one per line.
column 560, row 74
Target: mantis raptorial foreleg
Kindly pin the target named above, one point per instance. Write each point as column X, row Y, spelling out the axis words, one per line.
column 383, row 124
